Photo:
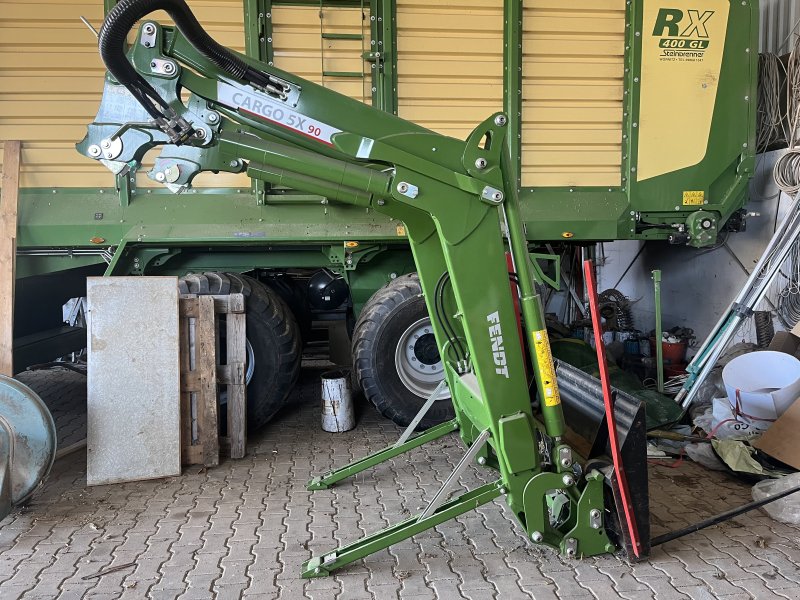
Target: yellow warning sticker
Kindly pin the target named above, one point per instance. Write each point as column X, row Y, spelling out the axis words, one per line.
column 547, row 370
column 694, row 198
column 401, row 230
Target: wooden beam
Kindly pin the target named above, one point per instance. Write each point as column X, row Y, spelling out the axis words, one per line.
column 237, row 392
column 206, row 365
column 8, row 253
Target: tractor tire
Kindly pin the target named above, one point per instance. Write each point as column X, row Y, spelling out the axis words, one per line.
column 395, row 358
column 273, row 337
column 294, row 296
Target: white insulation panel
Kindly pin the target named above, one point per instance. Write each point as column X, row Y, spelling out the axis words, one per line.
column 134, row 379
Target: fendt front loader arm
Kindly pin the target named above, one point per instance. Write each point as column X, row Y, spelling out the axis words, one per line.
column 458, row 202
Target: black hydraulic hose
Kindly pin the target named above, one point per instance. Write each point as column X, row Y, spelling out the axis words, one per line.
column 735, row 512
column 121, row 19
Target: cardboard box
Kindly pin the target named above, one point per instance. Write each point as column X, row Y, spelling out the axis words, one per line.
column 787, row 342
column 780, row 440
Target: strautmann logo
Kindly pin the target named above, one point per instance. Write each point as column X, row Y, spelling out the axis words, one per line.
column 684, row 34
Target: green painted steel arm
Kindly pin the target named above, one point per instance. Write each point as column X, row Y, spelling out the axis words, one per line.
column 457, row 199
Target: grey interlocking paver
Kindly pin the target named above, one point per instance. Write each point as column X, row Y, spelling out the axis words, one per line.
column 243, row 529
column 663, row 589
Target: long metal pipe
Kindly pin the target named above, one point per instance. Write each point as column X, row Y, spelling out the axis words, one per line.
column 794, row 215
column 729, row 514
column 659, row 332
column 749, row 298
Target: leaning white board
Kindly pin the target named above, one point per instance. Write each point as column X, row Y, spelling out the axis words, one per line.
column 134, row 379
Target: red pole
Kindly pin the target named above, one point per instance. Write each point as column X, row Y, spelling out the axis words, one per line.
column 611, row 421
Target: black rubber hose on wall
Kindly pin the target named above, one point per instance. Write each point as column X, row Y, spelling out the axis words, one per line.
column 122, row 18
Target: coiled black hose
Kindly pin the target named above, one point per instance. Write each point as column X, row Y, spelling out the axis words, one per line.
column 121, row 19
column 765, row 330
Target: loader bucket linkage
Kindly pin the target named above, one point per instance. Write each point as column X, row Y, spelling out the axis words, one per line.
column 458, row 201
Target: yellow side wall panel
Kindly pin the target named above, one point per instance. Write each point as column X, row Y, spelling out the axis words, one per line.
column 299, row 47
column 572, row 97
column 449, row 63
column 51, row 80
column 450, row 77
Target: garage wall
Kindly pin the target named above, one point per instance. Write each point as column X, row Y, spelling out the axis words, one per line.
column 572, row 69
column 51, row 80
column 697, row 284
column 449, row 63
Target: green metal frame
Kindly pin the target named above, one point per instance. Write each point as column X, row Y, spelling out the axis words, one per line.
column 136, row 218
column 452, row 198
column 589, row 214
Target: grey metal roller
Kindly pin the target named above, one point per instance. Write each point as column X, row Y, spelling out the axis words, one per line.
column 27, row 443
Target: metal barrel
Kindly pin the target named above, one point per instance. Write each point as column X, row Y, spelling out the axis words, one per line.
column 338, row 414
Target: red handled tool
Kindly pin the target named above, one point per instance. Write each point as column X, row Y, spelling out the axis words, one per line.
column 608, row 401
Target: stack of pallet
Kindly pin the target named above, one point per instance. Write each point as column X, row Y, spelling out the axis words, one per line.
column 201, row 371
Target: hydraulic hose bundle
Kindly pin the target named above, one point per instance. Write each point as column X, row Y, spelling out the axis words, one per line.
column 119, row 22
column 787, row 168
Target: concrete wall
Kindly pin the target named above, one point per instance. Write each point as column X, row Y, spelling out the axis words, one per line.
column 697, row 285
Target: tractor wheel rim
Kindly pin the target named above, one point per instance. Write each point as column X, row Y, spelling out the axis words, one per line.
column 251, row 362
column 417, row 360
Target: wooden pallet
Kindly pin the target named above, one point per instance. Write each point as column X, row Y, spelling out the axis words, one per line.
column 202, row 373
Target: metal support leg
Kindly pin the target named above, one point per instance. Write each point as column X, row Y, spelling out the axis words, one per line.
column 320, row 566
column 659, row 332
column 421, row 414
column 323, row 482
column 444, row 491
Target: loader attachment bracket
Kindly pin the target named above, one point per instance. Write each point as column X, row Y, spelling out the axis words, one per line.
column 582, row 398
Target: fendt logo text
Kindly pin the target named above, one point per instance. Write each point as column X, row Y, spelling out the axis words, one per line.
column 683, row 34
column 496, row 338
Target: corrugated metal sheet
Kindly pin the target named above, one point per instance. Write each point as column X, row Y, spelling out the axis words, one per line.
column 51, row 79
column 300, row 48
column 449, row 63
column 572, row 92
column 780, row 24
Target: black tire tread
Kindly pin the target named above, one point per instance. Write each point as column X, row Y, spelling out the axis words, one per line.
column 385, row 301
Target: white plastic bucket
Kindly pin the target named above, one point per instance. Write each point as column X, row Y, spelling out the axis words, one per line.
column 768, row 383
column 338, row 414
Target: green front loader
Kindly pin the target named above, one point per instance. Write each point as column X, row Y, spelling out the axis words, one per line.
column 210, row 109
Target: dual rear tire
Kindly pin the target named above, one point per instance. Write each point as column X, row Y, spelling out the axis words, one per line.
column 395, row 358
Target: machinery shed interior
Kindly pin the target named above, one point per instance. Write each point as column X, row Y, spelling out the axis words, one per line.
column 365, row 299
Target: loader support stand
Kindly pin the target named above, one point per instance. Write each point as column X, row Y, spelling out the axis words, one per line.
column 421, row 414
column 321, row 566
column 403, row 444
column 323, row 482
column 444, row 491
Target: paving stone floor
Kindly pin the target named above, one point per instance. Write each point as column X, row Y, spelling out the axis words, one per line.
column 243, row 529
